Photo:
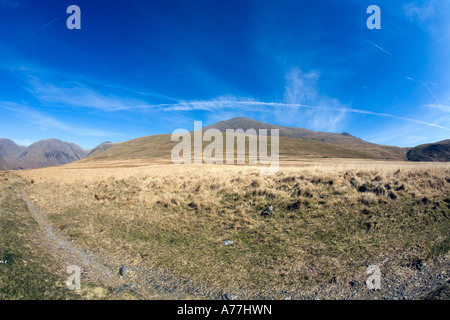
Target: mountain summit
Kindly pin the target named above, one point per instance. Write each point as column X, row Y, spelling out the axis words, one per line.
column 40, row 154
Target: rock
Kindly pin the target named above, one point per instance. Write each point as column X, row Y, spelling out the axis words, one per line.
column 229, row 296
column 268, row 211
column 123, row 271
column 228, row 242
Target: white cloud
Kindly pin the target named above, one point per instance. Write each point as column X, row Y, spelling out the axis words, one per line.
column 77, row 95
column 318, row 112
column 45, row 122
column 440, row 107
column 419, row 13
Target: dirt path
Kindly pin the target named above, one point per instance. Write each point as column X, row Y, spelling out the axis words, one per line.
column 147, row 283
column 64, row 250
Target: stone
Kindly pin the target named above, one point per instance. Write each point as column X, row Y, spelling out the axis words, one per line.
column 123, row 271
column 229, row 296
column 268, row 211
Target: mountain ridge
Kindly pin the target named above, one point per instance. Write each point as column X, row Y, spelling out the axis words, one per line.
column 436, row 152
column 43, row 153
column 344, row 139
column 294, row 142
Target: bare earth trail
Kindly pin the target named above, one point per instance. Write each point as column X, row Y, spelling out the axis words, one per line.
column 146, row 284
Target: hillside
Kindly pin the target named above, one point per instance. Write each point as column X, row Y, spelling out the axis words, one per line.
column 101, row 147
column 295, row 143
column 9, row 150
column 49, row 152
column 343, row 140
column 439, row 151
column 40, row 154
column 4, row 165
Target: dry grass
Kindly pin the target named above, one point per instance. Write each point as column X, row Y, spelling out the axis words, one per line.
column 331, row 217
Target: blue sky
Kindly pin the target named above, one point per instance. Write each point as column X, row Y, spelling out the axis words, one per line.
column 138, row 68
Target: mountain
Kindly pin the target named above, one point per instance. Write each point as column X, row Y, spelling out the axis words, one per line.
column 101, row 147
column 9, row 150
column 439, row 151
column 295, row 143
column 49, row 152
column 4, row 165
column 40, row 154
column 343, row 140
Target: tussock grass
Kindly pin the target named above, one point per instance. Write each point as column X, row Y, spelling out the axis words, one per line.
column 332, row 217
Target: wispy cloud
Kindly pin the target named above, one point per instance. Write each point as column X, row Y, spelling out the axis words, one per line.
column 77, row 95
column 275, row 107
column 302, row 104
column 302, row 89
column 38, row 119
column 421, row 13
column 445, row 109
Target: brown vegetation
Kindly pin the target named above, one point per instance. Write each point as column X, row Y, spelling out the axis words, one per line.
column 332, row 217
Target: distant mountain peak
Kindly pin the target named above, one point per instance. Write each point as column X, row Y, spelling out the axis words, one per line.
column 43, row 153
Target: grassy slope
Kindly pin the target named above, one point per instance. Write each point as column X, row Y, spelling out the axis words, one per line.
column 328, row 222
column 160, row 146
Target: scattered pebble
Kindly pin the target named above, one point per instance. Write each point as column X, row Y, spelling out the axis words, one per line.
column 229, row 296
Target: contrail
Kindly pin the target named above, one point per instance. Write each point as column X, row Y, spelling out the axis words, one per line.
column 378, row 47
column 211, row 104
column 426, row 87
column 45, row 25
